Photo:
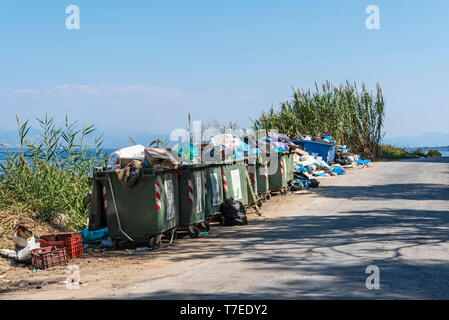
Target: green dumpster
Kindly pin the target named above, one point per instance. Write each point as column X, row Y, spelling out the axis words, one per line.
column 277, row 177
column 290, row 168
column 192, row 206
column 263, row 186
column 258, row 179
column 214, row 189
column 251, row 167
column 234, row 180
column 143, row 212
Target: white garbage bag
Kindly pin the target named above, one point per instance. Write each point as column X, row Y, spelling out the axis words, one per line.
column 135, row 152
column 25, row 253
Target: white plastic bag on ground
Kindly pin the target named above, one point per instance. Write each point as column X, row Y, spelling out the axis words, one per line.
column 8, row 253
column 25, row 253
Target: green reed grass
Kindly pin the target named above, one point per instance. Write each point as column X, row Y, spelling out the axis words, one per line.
column 352, row 116
column 50, row 175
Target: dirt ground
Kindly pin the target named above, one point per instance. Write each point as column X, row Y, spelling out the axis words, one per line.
column 313, row 245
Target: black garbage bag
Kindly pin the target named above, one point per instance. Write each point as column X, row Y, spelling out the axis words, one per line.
column 301, row 175
column 294, row 185
column 313, row 183
column 233, row 213
column 341, row 158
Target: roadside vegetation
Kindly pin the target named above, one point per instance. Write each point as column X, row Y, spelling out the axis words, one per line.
column 50, row 176
column 353, row 116
column 388, row 152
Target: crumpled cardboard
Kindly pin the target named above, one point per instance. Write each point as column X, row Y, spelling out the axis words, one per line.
column 161, row 158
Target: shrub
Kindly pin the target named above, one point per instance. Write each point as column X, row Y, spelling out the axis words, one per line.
column 51, row 176
column 433, row 153
column 389, row 152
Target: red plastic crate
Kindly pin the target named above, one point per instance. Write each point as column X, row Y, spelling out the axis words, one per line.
column 72, row 241
column 48, row 257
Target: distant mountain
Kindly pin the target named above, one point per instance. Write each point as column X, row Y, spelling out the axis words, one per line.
column 428, row 139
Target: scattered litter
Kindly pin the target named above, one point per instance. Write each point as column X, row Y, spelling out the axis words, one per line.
column 142, row 249
column 106, row 243
column 24, row 243
column 88, row 236
column 8, row 253
column 41, row 285
column 74, row 280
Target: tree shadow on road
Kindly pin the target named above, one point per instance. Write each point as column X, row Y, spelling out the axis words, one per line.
column 329, row 254
column 405, row 191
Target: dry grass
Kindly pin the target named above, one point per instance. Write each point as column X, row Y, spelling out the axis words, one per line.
column 8, row 220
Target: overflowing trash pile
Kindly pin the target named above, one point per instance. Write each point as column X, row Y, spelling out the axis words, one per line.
column 324, row 159
column 146, row 194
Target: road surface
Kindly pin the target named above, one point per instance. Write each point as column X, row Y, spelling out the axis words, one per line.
column 393, row 215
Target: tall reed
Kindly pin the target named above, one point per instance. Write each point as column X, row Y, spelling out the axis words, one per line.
column 50, row 174
column 353, row 117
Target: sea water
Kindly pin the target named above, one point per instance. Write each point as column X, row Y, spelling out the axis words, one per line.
column 4, row 154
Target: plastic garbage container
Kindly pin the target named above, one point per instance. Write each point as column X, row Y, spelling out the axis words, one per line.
column 278, row 179
column 192, row 206
column 252, row 165
column 143, row 212
column 324, row 150
column 214, row 189
column 263, row 185
column 289, row 165
column 234, row 180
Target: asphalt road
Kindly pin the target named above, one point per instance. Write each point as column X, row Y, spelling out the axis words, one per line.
column 393, row 215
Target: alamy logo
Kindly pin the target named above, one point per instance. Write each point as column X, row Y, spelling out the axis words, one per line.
column 373, row 20
column 373, row 281
column 73, row 20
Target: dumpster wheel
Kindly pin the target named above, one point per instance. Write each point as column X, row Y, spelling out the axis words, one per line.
column 205, row 225
column 194, row 231
column 155, row 242
column 115, row 243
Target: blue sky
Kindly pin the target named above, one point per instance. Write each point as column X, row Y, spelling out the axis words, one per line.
column 140, row 66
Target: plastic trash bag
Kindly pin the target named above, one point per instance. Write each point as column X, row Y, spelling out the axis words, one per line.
column 233, row 213
column 339, row 170
column 24, row 243
column 363, row 161
column 8, row 253
column 243, row 147
column 25, row 253
column 295, row 185
column 187, row 151
column 306, row 181
column 238, row 154
column 88, row 236
column 134, row 152
column 313, row 183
